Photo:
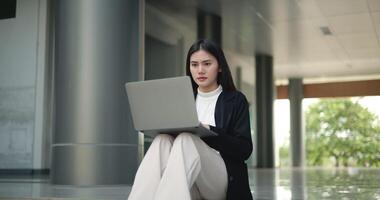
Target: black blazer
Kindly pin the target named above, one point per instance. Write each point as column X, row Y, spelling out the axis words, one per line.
column 233, row 141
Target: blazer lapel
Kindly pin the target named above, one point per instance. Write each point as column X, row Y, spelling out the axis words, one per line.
column 222, row 109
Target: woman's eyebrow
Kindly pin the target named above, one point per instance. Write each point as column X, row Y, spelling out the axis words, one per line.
column 196, row 61
column 204, row 61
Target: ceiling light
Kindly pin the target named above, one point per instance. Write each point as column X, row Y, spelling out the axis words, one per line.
column 325, row 30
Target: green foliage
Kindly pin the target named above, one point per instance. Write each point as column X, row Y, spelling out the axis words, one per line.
column 344, row 131
column 284, row 156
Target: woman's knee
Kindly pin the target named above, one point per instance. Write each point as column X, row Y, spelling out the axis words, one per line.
column 184, row 138
column 184, row 135
column 164, row 137
column 186, row 143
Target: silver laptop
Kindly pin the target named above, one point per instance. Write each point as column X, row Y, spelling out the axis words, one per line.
column 164, row 106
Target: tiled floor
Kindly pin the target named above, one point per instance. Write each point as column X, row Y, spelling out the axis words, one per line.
column 282, row 184
column 346, row 183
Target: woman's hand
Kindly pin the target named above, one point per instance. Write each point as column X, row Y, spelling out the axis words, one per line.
column 206, row 126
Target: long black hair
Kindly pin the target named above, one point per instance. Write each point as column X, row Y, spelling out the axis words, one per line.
column 224, row 77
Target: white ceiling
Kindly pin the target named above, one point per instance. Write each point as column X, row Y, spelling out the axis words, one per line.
column 290, row 31
column 300, row 48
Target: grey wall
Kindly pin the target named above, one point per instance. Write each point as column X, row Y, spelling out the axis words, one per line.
column 162, row 60
column 21, row 62
column 167, row 41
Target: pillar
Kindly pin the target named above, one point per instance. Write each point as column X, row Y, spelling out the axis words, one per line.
column 296, row 119
column 209, row 26
column 264, row 111
column 97, row 50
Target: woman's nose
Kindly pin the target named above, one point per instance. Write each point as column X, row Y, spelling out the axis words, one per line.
column 200, row 69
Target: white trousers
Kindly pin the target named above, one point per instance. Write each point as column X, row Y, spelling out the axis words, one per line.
column 180, row 168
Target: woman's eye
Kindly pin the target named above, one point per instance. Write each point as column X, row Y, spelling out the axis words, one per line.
column 193, row 65
column 207, row 64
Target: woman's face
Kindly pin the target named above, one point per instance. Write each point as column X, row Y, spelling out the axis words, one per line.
column 204, row 69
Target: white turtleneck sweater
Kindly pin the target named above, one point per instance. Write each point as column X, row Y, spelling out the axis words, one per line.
column 206, row 102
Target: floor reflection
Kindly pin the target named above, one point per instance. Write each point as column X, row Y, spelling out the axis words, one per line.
column 282, row 184
column 297, row 183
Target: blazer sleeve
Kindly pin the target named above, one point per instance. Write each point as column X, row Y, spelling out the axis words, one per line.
column 238, row 144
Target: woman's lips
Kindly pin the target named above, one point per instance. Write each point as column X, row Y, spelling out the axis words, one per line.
column 202, row 78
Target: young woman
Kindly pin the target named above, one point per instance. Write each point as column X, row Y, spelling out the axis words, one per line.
column 188, row 167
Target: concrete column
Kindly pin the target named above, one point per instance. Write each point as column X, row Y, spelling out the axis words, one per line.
column 97, row 50
column 264, row 111
column 209, row 26
column 296, row 119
